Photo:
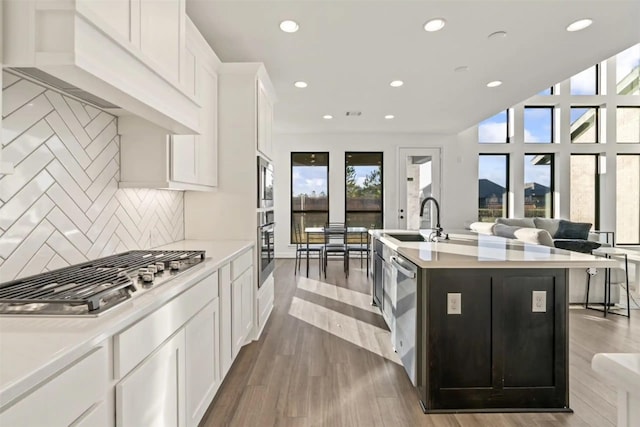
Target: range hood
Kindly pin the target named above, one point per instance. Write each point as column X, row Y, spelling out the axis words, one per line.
column 66, row 46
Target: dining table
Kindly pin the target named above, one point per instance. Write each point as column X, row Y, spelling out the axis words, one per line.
column 309, row 231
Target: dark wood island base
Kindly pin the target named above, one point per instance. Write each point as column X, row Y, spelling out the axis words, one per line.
column 504, row 351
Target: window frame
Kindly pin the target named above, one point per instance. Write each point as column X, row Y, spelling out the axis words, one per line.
column 618, row 155
column 618, row 107
column 552, row 132
column 507, row 180
column 292, row 212
column 597, row 82
column 552, row 181
column 347, row 211
column 508, row 128
column 597, row 123
column 596, row 220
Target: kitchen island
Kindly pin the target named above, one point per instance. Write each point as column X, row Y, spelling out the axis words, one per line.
column 479, row 322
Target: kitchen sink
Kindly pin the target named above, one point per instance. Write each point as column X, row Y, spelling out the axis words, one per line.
column 408, row 237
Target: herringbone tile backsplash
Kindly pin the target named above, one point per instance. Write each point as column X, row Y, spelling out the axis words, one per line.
column 62, row 205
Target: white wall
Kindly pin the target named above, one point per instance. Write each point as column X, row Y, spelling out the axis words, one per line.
column 459, row 174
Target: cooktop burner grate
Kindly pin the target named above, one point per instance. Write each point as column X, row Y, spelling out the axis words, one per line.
column 90, row 286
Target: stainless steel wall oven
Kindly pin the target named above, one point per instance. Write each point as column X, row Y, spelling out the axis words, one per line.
column 266, row 245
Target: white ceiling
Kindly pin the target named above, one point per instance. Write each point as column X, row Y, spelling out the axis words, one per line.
column 349, row 50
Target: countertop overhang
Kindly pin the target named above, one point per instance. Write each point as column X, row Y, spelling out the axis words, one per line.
column 471, row 250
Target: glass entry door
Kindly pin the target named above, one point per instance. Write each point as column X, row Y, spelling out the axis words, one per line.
column 419, row 177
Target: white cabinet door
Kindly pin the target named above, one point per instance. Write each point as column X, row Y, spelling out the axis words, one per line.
column 202, row 361
column 162, row 26
column 207, row 142
column 184, row 149
column 117, row 18
column 248, row 301
column 226, row 347
column 241, row 309
column 153, row 394
column 237, row 329
column 264, row 121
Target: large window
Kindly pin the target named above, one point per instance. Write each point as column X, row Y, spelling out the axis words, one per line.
column 584, row 189
column 628, row 199
column 363, row 190
column 585, row 83
column 538, row 185
column 628, row 124
column 538, row 124
column 495, row 129
column 584, row 125
column 493, row 186
column 309, row 190
column 628, row 71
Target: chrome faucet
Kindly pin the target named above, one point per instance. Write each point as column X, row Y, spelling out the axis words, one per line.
column 438, row 233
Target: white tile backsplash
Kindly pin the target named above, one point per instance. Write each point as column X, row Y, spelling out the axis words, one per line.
column 63, row 205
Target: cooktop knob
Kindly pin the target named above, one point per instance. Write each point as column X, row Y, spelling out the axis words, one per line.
column 174, row 265
column 152, row 268
column 148, row 277
column 142, row 271
column 160, row 266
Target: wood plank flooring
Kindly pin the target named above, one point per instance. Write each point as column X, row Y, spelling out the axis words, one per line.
column 325, row 359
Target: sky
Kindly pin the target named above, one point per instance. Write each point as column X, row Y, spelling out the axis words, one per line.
column 307, row 179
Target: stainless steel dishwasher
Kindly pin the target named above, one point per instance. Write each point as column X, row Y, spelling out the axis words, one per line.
column 405, row 313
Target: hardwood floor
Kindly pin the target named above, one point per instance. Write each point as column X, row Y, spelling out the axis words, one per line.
column 325, row 359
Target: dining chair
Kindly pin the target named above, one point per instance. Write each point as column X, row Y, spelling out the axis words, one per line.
column 361, row 245
column 304, row 248
column 613, row 276
column 335, row 244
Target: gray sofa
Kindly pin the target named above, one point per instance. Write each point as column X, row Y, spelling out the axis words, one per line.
column 559, row 233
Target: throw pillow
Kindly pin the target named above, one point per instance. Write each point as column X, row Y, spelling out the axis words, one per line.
column 536, row 236
column 482, row 227
column 517, row 222
column 551, row 225
column 573, row 230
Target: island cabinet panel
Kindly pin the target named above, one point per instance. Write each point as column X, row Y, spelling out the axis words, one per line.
column 500, row 351
column 461, row 343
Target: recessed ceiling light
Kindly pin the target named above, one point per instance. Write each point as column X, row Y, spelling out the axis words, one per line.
column 389, row 116
column 327, row 117
column 580, row 24
column 396, row 83
column 289, row 26
column 494, row 83
column 461, row 69
column 434, row 25
column 497, row 35
column 300, row 85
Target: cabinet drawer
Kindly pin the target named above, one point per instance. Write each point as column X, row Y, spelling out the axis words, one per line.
column 240, row 264
column 134, row 344
column 64, row 398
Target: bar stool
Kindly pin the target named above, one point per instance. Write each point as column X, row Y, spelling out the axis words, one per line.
column 615, row 276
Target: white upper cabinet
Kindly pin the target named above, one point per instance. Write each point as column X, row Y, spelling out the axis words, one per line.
column 128, row 54
column 265, row 120
column 182, row 162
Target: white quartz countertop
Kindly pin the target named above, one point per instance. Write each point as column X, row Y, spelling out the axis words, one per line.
column 620, row 369
column 472, row 250
column 36, row 347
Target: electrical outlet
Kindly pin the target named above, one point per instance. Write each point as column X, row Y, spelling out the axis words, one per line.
column 539, row 302
column 454, row 303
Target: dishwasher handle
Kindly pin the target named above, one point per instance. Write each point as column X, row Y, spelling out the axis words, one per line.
column 402, row 269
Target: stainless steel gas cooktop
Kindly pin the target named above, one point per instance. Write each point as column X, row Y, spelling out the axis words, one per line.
column 92, row 288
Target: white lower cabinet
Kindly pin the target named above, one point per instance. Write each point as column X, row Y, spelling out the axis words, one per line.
column 67, row 398
column 203, row 361
column 153, row 393
column 164, row 369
